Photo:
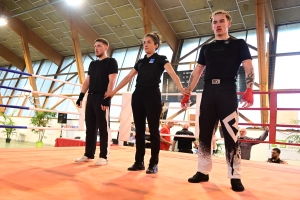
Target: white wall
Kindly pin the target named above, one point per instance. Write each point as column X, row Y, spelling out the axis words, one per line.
column 30, row 136
column 53, row 134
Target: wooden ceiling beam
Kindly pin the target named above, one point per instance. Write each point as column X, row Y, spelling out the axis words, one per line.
column 12, row 58
column 34, row 39
column 146, row 17
column 77, row 51
column 161, row 23
column 81, row 26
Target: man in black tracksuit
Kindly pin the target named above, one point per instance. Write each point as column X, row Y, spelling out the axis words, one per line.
column 101, row 78
column 184, row 143
column 221, row 59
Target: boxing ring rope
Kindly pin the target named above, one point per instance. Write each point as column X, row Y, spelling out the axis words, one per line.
column 35, row 92
column 81, row 113
column 38, row 109
column 37, row 76
column 272, row 109
column 272, row 117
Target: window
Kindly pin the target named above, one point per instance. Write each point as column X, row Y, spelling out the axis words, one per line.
column 287, row 72
column 165, row 50
column 252, row 40
column 121, row 75
column 86, row 62
column 119, row 55
column 130, row 57
column 239, row 35
column 126, row 58
column 189, row 45
column 287, row 38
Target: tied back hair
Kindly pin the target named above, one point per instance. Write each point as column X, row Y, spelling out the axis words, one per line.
column 155, row 37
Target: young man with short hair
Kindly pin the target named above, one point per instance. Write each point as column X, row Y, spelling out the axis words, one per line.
column 102, row 74
column 222, row 59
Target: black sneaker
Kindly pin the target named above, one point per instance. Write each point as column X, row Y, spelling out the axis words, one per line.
column 199, row 177
column 237, row 185
column 137, row 166
column 152, row 169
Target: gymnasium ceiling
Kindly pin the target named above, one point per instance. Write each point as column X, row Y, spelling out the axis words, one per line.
column 120, row 21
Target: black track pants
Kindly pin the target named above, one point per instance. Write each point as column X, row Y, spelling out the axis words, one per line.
column 146, row 103
column 219, row 101
column 96, row 118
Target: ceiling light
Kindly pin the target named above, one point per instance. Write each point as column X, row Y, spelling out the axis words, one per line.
column 3, row 20
column 74, row 2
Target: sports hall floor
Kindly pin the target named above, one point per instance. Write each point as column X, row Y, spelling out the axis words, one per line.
column 50, row 173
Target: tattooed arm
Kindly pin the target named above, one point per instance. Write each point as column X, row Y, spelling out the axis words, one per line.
column 194, row 78
column 247, row 97
column 249, row 70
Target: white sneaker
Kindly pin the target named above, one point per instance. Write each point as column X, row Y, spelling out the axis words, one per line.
column 83, row 159
column 101, row 161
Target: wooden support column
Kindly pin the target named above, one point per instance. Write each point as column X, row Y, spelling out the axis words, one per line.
column 261, row 50
column 29, row 63
column 146, row 17
column 2, row 109
column 77, row 51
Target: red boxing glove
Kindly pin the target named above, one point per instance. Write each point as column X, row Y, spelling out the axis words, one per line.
column 248, row 96
column 185, row 100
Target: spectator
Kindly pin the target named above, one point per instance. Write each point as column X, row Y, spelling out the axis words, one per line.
column 184, row 144
column 165, row 141
column 246, row 146
column 275, row 157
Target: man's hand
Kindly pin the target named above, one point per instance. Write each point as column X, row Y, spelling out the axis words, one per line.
column 105, row 103
column 247, row 98
column 79, row 100
column 185, row 102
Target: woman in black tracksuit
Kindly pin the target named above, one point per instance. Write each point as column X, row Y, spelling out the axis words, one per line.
column 146, row 100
